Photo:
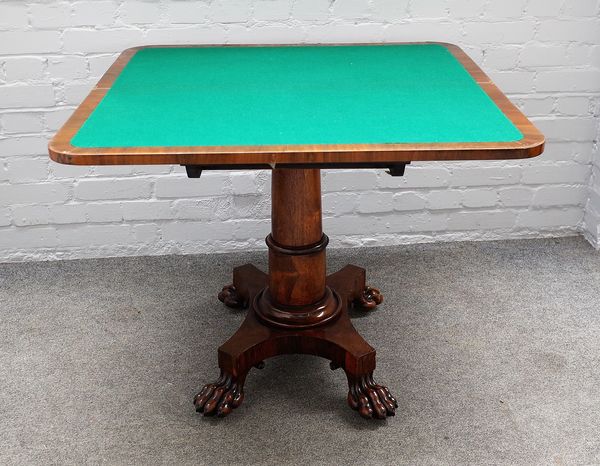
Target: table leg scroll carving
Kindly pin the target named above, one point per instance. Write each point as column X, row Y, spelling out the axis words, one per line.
column 221, row 397
column 230, row 297
column 247, row 281
column 370, row 399
column 369, row 299
column 350, row 282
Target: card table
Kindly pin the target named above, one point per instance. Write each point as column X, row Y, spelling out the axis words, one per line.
column 295, row 110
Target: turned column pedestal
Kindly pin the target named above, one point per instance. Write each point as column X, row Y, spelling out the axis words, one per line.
column 297, row 308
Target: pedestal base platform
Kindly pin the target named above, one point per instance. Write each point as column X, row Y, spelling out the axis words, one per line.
column 335, row 339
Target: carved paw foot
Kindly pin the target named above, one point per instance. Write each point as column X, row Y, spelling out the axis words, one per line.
column 230, row 297
column 369, row 299
column 221, row 397
column 370, row 399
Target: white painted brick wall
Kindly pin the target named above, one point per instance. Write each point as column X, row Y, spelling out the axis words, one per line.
column 592, row 209
column 544, row 53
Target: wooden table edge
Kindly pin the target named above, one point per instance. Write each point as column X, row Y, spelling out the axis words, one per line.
column 61, row 150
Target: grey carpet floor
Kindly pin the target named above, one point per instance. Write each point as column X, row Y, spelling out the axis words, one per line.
column 492, row 350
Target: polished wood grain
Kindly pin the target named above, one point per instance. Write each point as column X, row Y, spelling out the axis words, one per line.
column 296, row 308
column 296, row 266
column 296, row 207
column 336, row 340
column 297, row 296
column 62, row 151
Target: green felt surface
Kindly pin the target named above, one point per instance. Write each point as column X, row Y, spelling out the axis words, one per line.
column 294, row 95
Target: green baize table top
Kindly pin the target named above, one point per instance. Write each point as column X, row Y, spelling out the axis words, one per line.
column 222, row 96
